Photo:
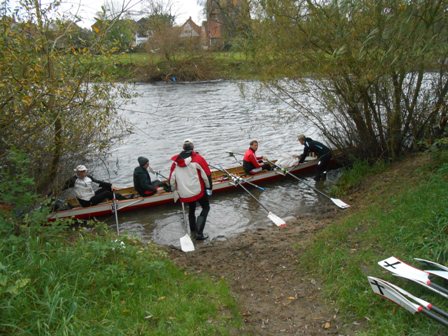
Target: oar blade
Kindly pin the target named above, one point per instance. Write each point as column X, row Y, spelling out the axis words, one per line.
column 432, row 264
column 383, row 289
column 341, row 204
column 276, row 220
column 186, row 244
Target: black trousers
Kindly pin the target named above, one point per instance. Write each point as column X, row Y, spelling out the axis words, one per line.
column 322, row 165
column 205, row 204
column 100, row 195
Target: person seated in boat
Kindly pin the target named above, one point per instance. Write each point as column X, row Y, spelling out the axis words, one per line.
column 83, row 186
column 253, row 164
column 142, row 181
column 323, row 153
column 190, row 177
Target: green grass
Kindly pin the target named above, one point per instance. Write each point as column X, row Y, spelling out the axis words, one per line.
column 405, row 221
column 98, row 286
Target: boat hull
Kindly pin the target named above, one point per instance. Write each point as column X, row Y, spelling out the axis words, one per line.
column 221, row 183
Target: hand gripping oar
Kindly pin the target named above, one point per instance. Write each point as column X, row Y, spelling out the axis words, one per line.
column 397, row 295
column 401, row 269
column 238, row 181
column 336, row 201
column 186, row 244
column 235, row 177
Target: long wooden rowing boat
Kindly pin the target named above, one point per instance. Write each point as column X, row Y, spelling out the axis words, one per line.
column 221, row 182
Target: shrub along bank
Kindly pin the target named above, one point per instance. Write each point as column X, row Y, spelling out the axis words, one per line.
column 57, row 281
column 401, row 211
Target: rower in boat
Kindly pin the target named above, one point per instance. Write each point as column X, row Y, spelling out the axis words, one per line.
column 142, row 181
column 253, row 164
column 83, row 187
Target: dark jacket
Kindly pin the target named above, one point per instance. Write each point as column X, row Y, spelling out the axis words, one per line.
column 142, row 182
column 313, row 146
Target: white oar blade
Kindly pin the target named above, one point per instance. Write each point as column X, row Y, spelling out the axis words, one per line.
column 340, row 203
column 404, row 270
column 383, row 289
column 186, row 244
column 442, row 274
column 432, row 263
column 276, row 220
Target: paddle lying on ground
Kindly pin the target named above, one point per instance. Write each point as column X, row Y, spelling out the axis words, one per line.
column 401, row 269
column 398, row 296
column 336, row 201
column 432, row 264
column 239, row 181
column 186, row 244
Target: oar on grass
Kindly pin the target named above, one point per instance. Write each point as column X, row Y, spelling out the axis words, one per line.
column 239, row 181
column 403, row 270
column 398, row 295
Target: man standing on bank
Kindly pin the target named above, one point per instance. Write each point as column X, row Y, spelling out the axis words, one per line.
column 254, row 164
column 322, row 152
column 190, row 177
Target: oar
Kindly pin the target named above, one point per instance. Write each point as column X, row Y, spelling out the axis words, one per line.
column 425, row 304
column 238, row 180
column 401, row 269
column 397, row 295
column 234, row 177
column 432, row 263
column 341, row 204
column 114, row 209
column 186, row 244
column 156, row 172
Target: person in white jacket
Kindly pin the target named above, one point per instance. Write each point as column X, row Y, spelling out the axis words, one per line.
column 189, row 180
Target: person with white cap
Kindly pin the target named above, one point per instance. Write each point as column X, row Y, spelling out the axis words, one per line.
column 83, row 187
column 322, row 152
column 142, row 181
column 190, row 177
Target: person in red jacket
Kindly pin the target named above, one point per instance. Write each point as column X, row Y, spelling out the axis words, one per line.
column 191, row 177
column 253, row 164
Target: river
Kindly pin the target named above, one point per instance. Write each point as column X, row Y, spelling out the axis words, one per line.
column 218, row 116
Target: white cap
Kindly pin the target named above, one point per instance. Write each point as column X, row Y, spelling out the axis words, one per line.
column 188, row 144
column 80, row 168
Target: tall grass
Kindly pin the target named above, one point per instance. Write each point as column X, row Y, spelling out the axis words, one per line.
column 56, row 281
column 407, row 221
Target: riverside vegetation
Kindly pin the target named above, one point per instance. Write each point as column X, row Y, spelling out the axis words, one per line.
column 56, row 281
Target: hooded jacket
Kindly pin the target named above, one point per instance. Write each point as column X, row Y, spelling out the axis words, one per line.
column 188, row 178
column 315, row 147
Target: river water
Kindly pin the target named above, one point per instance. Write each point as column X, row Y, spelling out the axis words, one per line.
column 218, row 116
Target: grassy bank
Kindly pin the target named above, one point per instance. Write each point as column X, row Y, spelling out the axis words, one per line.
column 401, row 211
column 184, row 67
column 58, row 283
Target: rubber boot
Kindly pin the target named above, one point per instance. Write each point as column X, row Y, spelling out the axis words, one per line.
column 200, row 223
